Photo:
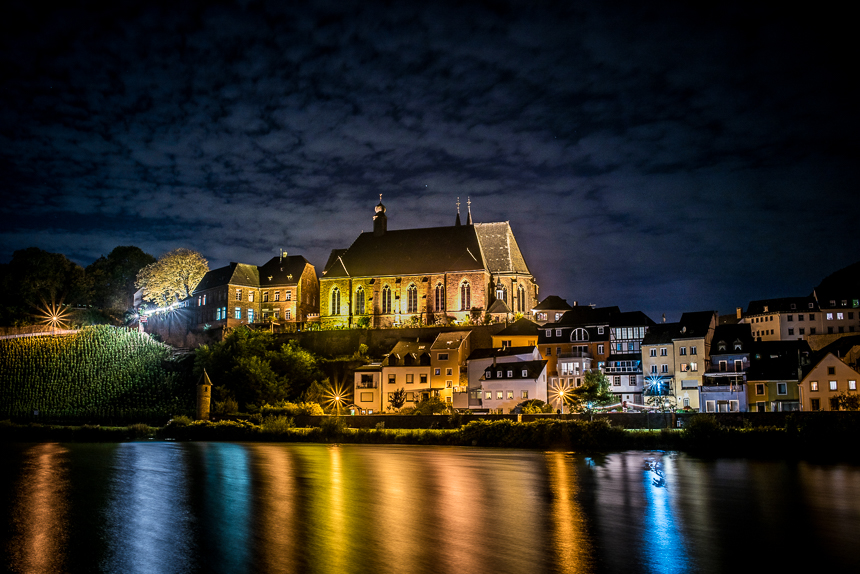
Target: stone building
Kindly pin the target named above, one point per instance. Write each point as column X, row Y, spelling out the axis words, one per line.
column 284, row 291
column 435, row 275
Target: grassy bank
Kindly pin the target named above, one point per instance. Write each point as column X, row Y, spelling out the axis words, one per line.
column 831, row 438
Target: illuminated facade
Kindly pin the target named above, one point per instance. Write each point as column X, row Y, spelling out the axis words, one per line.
column 822, row 385
column 430, row 276
column 284, row 291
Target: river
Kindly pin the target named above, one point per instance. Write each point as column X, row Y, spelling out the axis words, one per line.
column 164, row 507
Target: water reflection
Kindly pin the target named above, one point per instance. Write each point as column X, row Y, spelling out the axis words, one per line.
column 277, row 491
column 147, row 522
column 40, row 511
column 570, row 547
column 663, row 546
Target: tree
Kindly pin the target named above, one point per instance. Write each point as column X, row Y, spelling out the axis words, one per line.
column 849, row 402
column 533, row 407
column 173, row 277
column 398, row 398
column 593, row 393
column 113, row 277
column 430, row 406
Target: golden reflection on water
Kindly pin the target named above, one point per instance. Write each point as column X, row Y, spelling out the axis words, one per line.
column 571, row 548
column 41, row 512
column 278, row 493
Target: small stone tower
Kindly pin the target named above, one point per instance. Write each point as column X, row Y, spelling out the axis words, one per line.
column 204, row 397
column 380, row 220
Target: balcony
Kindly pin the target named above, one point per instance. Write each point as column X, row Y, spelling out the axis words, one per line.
column 576, row 354
column 367, row 385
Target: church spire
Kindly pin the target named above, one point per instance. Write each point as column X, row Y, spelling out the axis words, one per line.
column 458, row 213
column 469, row 207
column 380, row 220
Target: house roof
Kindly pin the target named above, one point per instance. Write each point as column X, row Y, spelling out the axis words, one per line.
column 730, row 334
column 782, row 305
column 499, row 307
column 416, row 349
column 840, row 347
column 587, row 315
column 533, row 370
column 282, row 271
column 450, row 340
column 521, row 327
column 842, row 285
column 661, row 334
column 630, row 319
column 233, row 274
column 483, row 246
column 501, row 352
column 696, row 324
column 553, row 303
column 777, row 360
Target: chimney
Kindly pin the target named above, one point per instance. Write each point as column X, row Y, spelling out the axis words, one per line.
column 740, row 312
column 575, row 303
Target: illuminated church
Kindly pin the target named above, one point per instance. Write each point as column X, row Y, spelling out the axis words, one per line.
column 435, row 275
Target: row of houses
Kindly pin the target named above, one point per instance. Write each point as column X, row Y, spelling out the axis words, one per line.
column 695, row 364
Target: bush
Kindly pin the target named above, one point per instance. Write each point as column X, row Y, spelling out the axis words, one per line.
column 332, row 427
column 277, row 425
column 140, row 430
column 181, row 421
column 702, row 432
column 226, row 407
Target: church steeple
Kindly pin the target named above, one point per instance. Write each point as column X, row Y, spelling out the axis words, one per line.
column 380, row 220
column 469, row 207
column 458, row 213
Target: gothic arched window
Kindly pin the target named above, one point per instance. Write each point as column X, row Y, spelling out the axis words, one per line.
column 386, row 299
column 440, row 298
column 412, row 299
column 465, row 296
column 335, row 301
column 359, row 301
column 521, row 299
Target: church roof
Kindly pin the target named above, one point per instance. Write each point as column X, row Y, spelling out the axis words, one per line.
column 500, row 248
column 499, row 306
column 411, row 252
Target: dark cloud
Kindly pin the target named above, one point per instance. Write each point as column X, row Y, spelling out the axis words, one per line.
column 663, row 159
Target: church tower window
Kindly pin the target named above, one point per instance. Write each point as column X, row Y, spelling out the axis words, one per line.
column 335, row 301
column 440, row 298
column 412, row 299
column 359, row 301
column 521, row 299
column 465, row 296
column 386, row 299
column 502, row 293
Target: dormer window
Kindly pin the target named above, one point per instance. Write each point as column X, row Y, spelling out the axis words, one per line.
column 721, row 346
column 765, row 308
column 510, row 374
column 488, row 374
column 549, row 332
column 738, row 345
column 498, row 374
column 793, row 306
column 811, row 306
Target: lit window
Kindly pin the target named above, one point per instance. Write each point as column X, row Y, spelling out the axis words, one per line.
column 386, row 299
column 510, row 374
column 813, row 385
column 237, row 313
column 832, row 385
column 335, row 301
column 694, row 366
column 830, row 316
column 852, row 385
column 525, row 373
column 440, row 297
column 437, row 372
column 781, row 389
column 839, row 316
column 524, row 395
column 238, row 294
column 510, row 395
column 265, row 296
column 693, row 350
column 499, row 395
column 250, row 296
column 250, row 315
column 412, row 299
column 465, row 296
column 489, row 395
column 277, row 295
column 359, row 301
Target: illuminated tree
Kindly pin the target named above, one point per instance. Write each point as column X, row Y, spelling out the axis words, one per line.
column 173, row 277
column 592, row 394
column 398, row 398
column 113, row 277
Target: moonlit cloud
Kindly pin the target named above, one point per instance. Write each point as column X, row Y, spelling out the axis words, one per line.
column 657, row 158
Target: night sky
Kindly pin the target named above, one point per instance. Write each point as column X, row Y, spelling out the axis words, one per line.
column 659, row 159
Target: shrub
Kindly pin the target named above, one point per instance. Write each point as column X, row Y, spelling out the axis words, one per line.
column 277, row 425
column 702, row 431
column 140, row 430
column 332, row 427
column 181, row 421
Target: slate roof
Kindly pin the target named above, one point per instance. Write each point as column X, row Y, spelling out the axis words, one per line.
column 419, row 350
column 554, row 303
column 489, row 246
column 782, row 305
column 630, row 319
column 282, row 270
column 450, row 340
column 586, row 315
column 729, row 334
column 500, row 249
column 519, row 328
column 840, row 347
column 776, row 360
column 499, row 307
column 661, row 334
column 233, row 274
column 533, row 370
column 500, row 352
column 695, row 325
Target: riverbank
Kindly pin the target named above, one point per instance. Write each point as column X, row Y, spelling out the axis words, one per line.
column 831, row 438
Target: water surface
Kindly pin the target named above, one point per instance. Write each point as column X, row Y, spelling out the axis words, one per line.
column 163, row 507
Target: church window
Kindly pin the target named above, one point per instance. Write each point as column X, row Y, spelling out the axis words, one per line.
column 440, row 297
column 412, row 299
column 386, row 299
column 465, row 296
column 521, row 299
column 335, row 301
column 359, row 301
